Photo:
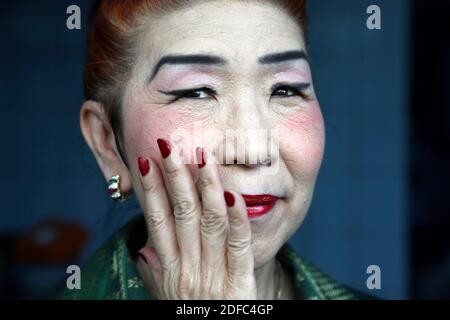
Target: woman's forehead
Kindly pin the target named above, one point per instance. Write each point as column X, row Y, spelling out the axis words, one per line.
column 254, row 28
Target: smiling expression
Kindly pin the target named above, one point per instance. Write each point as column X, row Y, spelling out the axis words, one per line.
column 213, row 67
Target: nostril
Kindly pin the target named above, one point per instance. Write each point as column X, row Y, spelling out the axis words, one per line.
column 267, row 162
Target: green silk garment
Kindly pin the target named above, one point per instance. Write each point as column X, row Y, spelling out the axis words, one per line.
column 111, row 274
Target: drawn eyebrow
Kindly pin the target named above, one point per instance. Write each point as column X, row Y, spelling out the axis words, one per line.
column 207, row 59
column 279, row 57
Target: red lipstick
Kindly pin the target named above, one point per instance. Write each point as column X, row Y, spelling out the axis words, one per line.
column 259, row 204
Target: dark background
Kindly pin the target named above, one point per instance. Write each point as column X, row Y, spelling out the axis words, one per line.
column 430, row 155
column 382, row 194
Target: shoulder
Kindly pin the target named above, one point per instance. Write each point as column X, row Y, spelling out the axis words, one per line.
column 314, row 284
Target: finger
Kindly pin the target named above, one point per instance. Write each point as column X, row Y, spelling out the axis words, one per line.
column 157, row 212
column 186, row 209
column 213, row 222
column 240, row 259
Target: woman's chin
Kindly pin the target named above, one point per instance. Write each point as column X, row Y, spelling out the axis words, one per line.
column 263, row 252
column 268, row 236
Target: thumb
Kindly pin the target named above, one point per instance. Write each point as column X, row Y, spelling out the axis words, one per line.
column 151, row 259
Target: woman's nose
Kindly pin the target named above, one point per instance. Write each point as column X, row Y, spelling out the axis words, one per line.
column 250, row 147
column 249, row 142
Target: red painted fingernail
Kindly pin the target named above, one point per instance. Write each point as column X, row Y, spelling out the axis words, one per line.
column 164, row 147
column 144, row 166
column 201, row 157
column 229, row 198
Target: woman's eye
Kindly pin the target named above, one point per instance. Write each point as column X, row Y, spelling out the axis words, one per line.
column 198, row 93
column 286, row 91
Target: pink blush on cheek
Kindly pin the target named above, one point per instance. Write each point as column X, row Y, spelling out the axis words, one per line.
column 303, row 139
column 147, row 123
column 145, row 127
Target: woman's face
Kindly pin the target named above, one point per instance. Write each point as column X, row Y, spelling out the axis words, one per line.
column 251, row 90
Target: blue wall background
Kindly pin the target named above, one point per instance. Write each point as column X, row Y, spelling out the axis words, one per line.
column 359, row 213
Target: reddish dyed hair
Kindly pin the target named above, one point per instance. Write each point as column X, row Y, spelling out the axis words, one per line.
column 110, row 50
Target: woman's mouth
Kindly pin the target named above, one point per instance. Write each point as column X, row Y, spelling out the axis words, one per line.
column 259, row 204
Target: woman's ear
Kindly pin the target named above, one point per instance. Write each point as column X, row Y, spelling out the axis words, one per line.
column 98, row 133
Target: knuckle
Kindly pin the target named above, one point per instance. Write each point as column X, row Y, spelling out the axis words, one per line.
column 155, row 220
column 184, row 209
column 206, row 182
column 239, row 246
column 212, row 220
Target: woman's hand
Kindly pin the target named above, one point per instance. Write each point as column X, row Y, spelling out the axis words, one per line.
column 202, row 248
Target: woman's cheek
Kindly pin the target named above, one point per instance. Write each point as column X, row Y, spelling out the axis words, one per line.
column 302, row 141
column 145, row 125
column 148, row 124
